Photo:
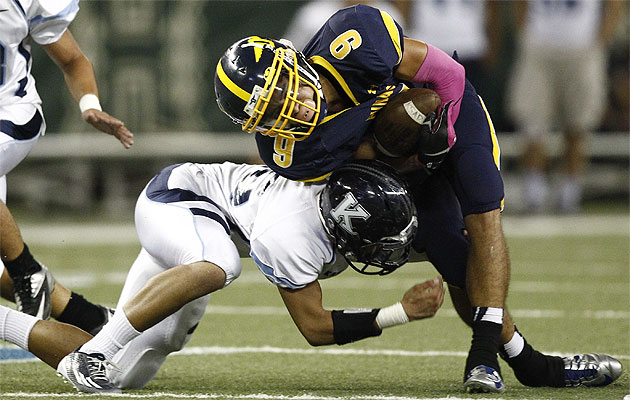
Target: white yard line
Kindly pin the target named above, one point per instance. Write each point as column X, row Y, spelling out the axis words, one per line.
column 444, row 312
column 254, row 396
column 86, row 279
column 333, row 351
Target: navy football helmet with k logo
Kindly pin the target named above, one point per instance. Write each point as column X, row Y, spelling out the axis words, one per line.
column 367, row 209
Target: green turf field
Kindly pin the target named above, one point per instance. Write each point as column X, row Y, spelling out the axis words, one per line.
column 568, row 294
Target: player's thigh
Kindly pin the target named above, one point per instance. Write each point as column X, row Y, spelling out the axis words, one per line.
column 21, row 125
column 477, row 181
column 473, row 163
column 441, row 231
column 176, row 234
column 13, row 151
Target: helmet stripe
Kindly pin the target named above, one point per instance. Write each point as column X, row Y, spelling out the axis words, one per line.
column 232, row 87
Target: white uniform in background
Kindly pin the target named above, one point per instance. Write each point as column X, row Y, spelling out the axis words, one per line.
column 560, row 72
column 21, row 117
column 451, row 25
column 558, row 83
column 185, row 215
column 310, row 17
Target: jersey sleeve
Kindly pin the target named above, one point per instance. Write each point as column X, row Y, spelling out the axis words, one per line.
column 381, row 35
column 292, row 254
column 49, row 19
column 358, row 49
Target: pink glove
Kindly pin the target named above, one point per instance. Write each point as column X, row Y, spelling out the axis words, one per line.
column 448, row 78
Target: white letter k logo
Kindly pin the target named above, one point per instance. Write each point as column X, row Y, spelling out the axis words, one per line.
column 346, row 210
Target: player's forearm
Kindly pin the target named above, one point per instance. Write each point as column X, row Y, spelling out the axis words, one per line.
column 79, row 77
column 76, row 68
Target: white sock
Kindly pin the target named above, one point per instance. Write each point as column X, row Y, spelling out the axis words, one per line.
column 15, row 327
column 490, row 314
column 514, row 347
column 113, row 337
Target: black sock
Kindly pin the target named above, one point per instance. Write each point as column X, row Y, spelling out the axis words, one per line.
column 532, row 368
column 485, row 345
column 81, row 313
column 23, row 265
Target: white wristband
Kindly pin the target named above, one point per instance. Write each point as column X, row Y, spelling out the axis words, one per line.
column 391, row 316
column 89, row 101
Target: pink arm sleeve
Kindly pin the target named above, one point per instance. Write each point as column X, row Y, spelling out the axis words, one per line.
column 448, row 78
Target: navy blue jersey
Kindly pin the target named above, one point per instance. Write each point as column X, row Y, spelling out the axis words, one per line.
column 361, row 66
column 358, row 49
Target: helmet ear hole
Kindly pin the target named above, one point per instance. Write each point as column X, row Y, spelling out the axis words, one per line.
column 374, row 218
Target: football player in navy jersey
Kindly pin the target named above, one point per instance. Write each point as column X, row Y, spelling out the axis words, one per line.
column 311, row 111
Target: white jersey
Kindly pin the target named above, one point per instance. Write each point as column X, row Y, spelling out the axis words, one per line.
column 451, row 25
column 43, row 21
column 278, row 218
column 563, row 24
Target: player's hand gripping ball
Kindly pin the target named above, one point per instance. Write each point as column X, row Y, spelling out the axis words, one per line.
column 409, row 125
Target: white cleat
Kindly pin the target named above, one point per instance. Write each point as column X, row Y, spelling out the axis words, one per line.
column 88, row 373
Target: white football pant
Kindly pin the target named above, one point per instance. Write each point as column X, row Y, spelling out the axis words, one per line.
column 170, row 236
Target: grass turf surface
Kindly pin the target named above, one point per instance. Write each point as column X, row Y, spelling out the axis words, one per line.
column 568, row 295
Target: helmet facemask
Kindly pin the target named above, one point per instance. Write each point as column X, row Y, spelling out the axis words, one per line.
column 271, row 107
column 381, row 257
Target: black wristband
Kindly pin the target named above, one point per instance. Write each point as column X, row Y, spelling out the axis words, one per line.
column 352, row 325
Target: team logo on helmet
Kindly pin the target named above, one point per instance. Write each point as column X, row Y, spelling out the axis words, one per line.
column 348, row 209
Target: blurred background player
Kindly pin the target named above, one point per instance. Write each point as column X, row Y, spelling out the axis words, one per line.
column 472, row 28
column 22, row 123
column 309, row 18
column 559, row 81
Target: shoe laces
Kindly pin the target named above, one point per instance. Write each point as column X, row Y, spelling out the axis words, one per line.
column 98, row 367
column 578, row 367
column 21, row 285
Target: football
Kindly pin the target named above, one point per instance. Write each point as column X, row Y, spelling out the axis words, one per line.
column 398, row 126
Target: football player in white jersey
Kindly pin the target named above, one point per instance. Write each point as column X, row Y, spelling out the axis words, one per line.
column 184, row 218
column 44, row 22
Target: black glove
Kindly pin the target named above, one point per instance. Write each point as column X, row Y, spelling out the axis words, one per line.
column 433, row 146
